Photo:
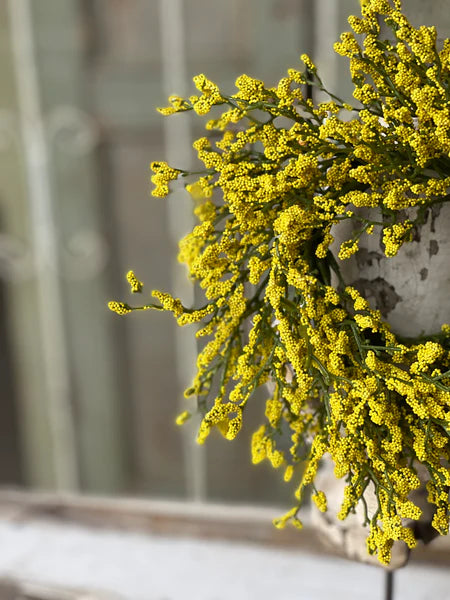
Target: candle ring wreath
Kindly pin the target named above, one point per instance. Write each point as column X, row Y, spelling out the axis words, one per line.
column 279, row 174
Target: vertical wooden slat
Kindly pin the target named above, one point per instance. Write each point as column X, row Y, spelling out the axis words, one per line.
column 330, row 21
column 272, row 34
column 43, row 239
column 11, row 468
column 429, row 12
column 74, row 136
column 149, row 351
column 281, row 34
column 126, row 76
column 178, row 143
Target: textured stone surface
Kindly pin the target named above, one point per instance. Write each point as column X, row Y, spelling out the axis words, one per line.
column 411, row 289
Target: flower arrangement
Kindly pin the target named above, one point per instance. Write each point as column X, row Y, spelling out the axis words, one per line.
column 280, row 174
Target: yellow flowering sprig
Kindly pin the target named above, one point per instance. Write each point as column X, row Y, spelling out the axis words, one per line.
column 344, row 383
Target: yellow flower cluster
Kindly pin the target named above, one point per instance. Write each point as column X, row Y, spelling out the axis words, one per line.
column 135, row 285
column 162, row 175
column 177, row 104
column 344, row 383
column 394, row 237
column 210, row 95
column 320, row 501
column 120, row 308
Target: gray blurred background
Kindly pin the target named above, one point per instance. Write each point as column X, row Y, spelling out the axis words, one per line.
column 88, row 399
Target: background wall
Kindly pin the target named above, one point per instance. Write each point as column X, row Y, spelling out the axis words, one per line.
column 87, row 399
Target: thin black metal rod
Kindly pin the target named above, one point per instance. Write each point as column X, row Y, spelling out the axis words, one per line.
column 389, row 585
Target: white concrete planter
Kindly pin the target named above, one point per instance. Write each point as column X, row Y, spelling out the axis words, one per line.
column 412, row 291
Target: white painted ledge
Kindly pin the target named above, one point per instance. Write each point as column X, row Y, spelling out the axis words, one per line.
column 115, row 565
column 55, row 547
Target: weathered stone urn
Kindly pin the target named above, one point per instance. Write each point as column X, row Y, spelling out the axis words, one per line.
column 412, row 292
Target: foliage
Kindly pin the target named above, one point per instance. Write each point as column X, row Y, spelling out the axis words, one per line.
column 280, row 174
